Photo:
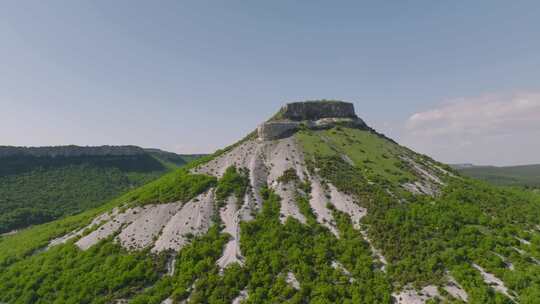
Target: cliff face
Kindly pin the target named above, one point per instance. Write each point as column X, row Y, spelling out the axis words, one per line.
column 314, row 110
column 277, row 129
column 311, row 114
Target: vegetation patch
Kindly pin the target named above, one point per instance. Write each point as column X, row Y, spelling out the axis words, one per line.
column 65, row 274
column 35, row 190
column 179, row 185
column 288, row 176
column 234, row 181
column 272, row 249
column 196, row 266
column 376, row 157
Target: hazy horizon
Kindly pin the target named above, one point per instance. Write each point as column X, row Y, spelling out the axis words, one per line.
column 456, row 82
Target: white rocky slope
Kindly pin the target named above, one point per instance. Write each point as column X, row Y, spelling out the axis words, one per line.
column 429, row 183
column 171, row 226
column 292, row 281
column 95, row 222
column 287, row 192
column 410, row 295
column 192, row 220
column 318, row 202
column 230, row 217
column 111, row 226
column 279, row 156
column 346, row 203
column 266, row 162
column 142, row 231
column 241, row 297
column 455, row 290
column 493, row 281
column 160, row 226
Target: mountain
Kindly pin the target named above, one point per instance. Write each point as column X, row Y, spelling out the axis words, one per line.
column 313, row 206
column 525, row 175
column 40, row 184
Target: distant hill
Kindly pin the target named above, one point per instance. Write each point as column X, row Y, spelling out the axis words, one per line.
column 462, row 166
column 40, row 184
column 526, row 175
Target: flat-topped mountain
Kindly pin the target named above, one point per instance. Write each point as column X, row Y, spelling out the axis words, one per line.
column 327, row 211
column 310, row 114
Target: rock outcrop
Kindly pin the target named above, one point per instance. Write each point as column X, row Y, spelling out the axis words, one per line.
column 315, row 110
column 277, row 129
column 312, row 115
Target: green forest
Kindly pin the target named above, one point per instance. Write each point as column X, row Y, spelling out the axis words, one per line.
column 36, row 190
column 522, row 176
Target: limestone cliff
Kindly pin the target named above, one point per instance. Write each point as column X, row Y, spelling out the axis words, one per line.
column 314, row 110
column 311, row 114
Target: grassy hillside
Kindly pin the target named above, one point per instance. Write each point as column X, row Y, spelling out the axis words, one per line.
column 378, row 157
column 526, row 176
column 38, row 189
column 425, row 238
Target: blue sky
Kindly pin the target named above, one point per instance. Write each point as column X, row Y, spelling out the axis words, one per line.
column 195, row 76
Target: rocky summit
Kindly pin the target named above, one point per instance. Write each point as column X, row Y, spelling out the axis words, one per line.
column 313, row 207
column 312, row 115
column 315, row 110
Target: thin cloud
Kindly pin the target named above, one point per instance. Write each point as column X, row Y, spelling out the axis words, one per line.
column 494, row 128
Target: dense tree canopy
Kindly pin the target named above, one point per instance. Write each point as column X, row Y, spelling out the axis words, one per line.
column 36, row 190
